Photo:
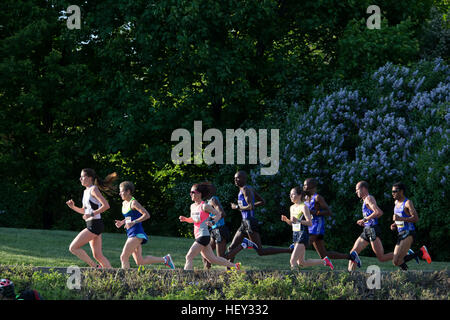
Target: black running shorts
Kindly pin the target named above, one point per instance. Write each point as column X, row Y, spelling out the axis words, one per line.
column 95, row 226
column 204, row 241
column 405, row 234
column 249, row 225
column 370, row 234
column 221, row 234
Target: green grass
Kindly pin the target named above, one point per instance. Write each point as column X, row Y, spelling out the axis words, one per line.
column 50, row 248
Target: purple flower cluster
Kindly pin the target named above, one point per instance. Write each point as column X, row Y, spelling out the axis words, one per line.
column 344, row 137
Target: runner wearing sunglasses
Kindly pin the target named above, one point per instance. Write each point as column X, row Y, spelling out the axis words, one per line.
column 405, row 216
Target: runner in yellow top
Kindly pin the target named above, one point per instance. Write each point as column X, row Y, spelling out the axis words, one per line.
column 300, row 220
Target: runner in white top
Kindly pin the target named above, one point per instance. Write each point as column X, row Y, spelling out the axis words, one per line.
column 93, row 205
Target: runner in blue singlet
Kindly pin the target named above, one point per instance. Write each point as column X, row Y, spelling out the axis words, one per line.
column 371, row 233
column 248, row 200
column 220, row 234
column 319, row 210
column 134, row 214
column 405, row 216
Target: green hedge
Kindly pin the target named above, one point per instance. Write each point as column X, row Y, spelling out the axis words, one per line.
column 262, row 285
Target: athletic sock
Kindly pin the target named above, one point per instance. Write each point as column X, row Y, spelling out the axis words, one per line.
column 409, row 257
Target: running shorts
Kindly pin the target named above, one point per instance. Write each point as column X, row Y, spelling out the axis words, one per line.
column 95, row 226
column 204, row 240
column 371, row 233
column 249, row 225
column 405, row 234
column 300, row 237
column 221, row 234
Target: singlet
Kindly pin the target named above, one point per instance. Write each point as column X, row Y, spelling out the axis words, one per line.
column 367, row 212
column 318, row 222
column 403, row 225
column 136, row 230
column 91, row 202
column 241, row 202
column 200, row 217
column 297, row 212
column 219, row 223
column 131, row 214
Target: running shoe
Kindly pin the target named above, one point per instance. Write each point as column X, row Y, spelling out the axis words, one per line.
column 247, row 243
column 169, row 262
column 426, row 255
column 356, row 258
column 410, row 253
column 237, row 266
column 328, row 263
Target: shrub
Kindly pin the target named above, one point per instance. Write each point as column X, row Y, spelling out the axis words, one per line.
column 390, row 126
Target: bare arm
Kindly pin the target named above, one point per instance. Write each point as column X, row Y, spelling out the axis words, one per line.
column 104, row 204
column 137, row 206
column 216, row 204
column 247, row 192
column 208, row 208
column 372, row 204
column 307, row 215
column 413, row 216
column 72, row 206
column 323, row 209
column 259, row 201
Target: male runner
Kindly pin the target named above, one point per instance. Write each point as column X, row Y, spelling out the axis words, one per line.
column 249, row 226
column 371, row 233
column 319, row 210
column 405, row 216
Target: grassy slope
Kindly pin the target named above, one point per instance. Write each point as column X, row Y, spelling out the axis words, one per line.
column 50, row 248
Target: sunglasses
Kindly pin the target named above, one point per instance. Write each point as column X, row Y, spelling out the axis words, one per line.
column 395, row 191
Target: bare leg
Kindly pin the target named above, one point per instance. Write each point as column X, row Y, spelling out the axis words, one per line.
column 360, row 245
column 256, row 238
column 96, row 247
column 137, row 256
column 130, row 246
column 80, row 240
column 206, row 264
column 298, row 257
column 377, row 247
column 401, row 250
column 194, row 251
column 235, row 246
column 319, row 245
column 209, row 255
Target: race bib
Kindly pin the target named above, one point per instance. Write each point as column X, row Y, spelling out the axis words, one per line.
column 400, row 224
column 296, row 227
column 195, row 216
column 127, row 219
column 240, row 203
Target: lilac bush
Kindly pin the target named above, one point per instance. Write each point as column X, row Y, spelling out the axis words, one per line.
column 393, row 127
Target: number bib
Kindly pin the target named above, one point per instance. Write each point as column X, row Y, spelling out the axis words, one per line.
column 195, row 216
column 296, row 227
column 400, row 224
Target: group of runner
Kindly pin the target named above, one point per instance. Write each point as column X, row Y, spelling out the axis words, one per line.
column 307, row 219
